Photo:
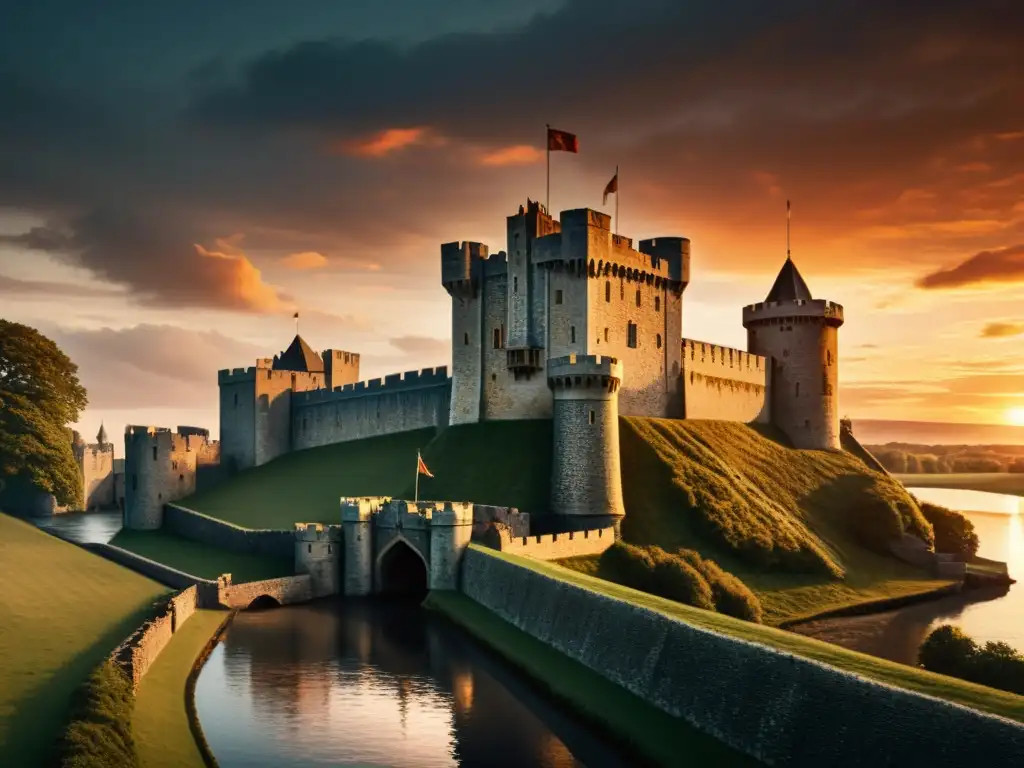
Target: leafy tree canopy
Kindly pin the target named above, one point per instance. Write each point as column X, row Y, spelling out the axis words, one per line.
column 39, row 396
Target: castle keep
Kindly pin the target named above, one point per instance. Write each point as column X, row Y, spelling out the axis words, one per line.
column 570, row 323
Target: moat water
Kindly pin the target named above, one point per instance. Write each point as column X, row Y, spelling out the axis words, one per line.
column 382, row 683
column 984, row 614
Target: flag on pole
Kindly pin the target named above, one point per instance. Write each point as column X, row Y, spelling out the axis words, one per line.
column 612, row 187
column 296, row 316
column 421, row 466
column 562, row 141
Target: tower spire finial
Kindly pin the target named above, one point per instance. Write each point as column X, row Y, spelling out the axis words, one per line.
column 788, row 253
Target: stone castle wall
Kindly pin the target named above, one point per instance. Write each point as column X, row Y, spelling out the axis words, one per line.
column 286, row 590
column 723, row 383
column 555, row 546
column 97, row 466
column 759, row 700
column 398, row 403
column 189, row 524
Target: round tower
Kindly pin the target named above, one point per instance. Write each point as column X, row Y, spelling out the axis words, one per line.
column 801, row 336
column 461, row 276
column 318, row 553
column 146, row 461
column 357, row 527
column 586, row 479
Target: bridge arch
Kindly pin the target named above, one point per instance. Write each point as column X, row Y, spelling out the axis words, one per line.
column 263, row 602
column 401, row 569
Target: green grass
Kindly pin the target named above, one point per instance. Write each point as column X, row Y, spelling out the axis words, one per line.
column 99, row 734
column 62, row 609
column 993, row 482
column 645, row 730
column 163, row 736
column 500, row 462
column 970, row 695
column 672, row 469
column 202, row 560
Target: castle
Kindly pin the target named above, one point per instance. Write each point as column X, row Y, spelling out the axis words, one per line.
column 571, row 323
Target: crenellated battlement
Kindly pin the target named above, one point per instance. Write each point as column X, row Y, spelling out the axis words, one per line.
column 396, row 382
column 727, row 357
column 314, row 532
column 581, row 372
column 826, row 311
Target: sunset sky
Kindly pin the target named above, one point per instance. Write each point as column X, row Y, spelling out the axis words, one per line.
column 176, row 179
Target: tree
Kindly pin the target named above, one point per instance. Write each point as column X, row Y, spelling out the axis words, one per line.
column 39, row 396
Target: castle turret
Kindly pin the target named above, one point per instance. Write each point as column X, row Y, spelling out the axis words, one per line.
column 801, row 336
column 160, row 467
column 586, row 478
column 318, row 553
column 101, row 436
column 462, row 277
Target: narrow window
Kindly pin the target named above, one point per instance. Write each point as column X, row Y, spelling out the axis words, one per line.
column 328, row 549
column 638, row 297
column 465, row 339
column 607, row 290
column 622, row 290
column 268, row 373
column 558, row 296
column 591, row 415
column 807, row 423
column 659, row 341
column 657, row 303
column 515, row 284
column 181, row 478
column 798, row 389
column 236, row 399
column 154, row 453
column 828, row 354
column 503, row 334
column 606, row 334
column 310, row 550
column 572, row 334
column 631, row 334
column 497, row 338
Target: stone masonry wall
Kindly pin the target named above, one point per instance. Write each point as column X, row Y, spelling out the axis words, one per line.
column 183, row 605
column 238, row 419
column 399, row 403
column 554, row 546
column 275, row 391
column 286, row 590
column 196, row 526
column 779, row 708
column 97, row 467
column 150, row 568
column 467, row 373
column 724, row 383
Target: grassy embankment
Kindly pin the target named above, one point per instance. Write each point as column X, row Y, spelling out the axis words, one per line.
column 993, row 482
column 741, row 497
column 62, row 610
column 160, row 722
column 900, row 675
column 201, row 560
column 650, row 733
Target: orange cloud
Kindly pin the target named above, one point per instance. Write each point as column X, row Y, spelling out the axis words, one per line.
column 1004, row 265
column 305, row 260
column 516, row 154
column 387, row 141
column 1001, row 330
column 975, row 167
column 237, row 279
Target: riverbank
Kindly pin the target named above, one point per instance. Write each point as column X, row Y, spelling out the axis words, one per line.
column 991, row 482
column 649, row 733
column 62, row 610
column 163, row 722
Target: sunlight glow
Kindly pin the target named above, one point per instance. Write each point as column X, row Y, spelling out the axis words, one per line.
column 1015, row 416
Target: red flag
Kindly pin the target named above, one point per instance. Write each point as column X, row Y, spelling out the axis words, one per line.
column 612, row 187
column 421, row 466
column 562, row 141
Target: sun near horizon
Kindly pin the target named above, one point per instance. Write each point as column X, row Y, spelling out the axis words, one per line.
column 1015, row 416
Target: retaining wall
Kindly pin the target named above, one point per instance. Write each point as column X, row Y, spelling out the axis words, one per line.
column 196, row 526
column 554, row 546
column 777, row 707
column 151, row 568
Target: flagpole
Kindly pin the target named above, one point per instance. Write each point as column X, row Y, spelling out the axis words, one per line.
column 416, row 498
column 618, row 186
column 547, row 144
column 787, row 232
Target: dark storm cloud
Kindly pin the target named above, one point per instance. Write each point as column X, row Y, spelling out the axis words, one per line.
column 23, row 288
column 1005, row 265
column 141, row 147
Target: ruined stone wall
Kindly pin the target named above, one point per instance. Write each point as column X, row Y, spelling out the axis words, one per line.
column 554, row 546
column 725, row 383
column 764, row 702
column 398, row 403
column 183, row 605
column 141, row 649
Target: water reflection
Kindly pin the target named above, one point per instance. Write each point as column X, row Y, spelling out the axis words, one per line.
column 994, row 614
column 374, row 683
column 84, row 527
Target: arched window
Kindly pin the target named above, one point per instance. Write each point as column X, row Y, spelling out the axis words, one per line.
column 607, row 290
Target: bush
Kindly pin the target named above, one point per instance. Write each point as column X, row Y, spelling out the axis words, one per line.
column 684, row 577
column 948, row 651
column 876, row 521
column 954, row 533
column 99, row 734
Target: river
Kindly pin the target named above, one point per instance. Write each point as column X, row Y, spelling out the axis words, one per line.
column 988, row 614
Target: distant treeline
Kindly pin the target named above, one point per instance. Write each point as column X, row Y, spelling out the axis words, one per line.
column 911, row 458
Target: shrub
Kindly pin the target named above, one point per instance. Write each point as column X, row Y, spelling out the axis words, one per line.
column 732, row 597
column 99, row 734
column 954, row 533
column 949, row 651
column 677, row 580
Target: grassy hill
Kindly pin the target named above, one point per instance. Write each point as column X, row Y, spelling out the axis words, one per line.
column 62, row 610
column 504, row 462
